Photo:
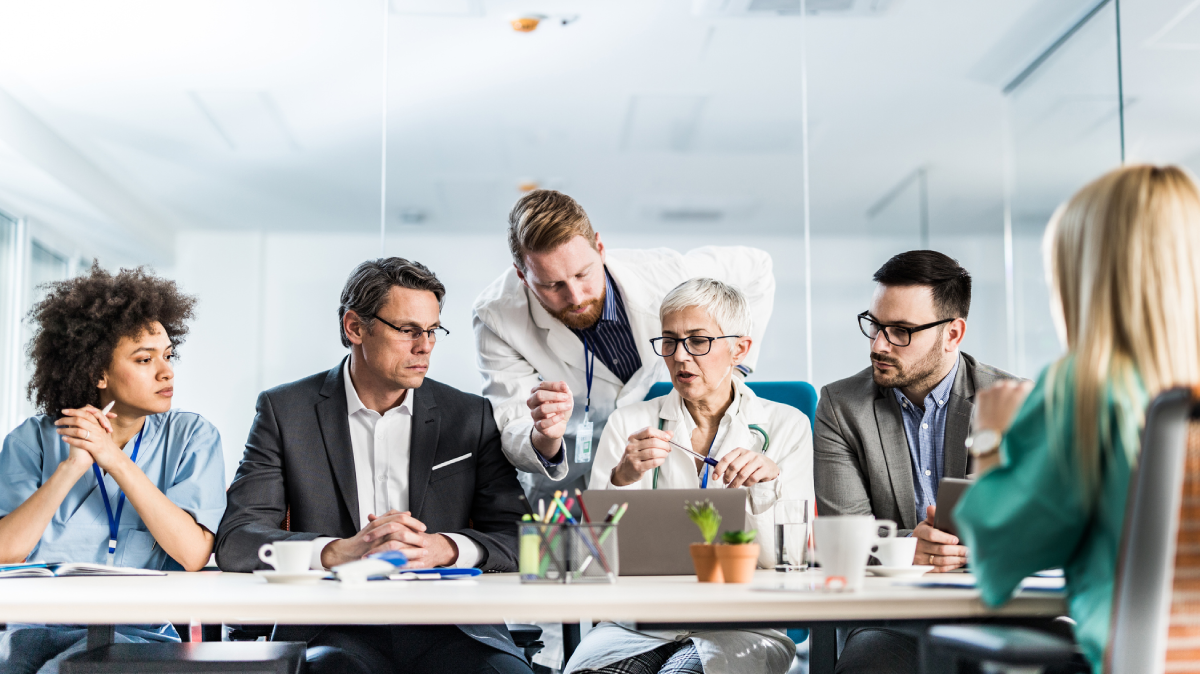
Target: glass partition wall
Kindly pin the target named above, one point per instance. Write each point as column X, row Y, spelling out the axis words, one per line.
column 1065, row 120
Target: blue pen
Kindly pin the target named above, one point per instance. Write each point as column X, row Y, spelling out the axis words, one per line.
column 706, row 459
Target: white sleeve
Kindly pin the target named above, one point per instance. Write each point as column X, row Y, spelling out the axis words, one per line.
column 609, row 453
column 507, row 380
column 750, row 269
column 317, row 548
column 469, row 551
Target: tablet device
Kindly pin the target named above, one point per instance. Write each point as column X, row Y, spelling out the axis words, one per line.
column 654, row 534
column 950, row 489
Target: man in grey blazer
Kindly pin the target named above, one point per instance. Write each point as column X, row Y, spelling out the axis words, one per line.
column 886, row 436
column 372, row 456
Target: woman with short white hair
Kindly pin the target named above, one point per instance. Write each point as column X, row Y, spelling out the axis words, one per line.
column 761, row 446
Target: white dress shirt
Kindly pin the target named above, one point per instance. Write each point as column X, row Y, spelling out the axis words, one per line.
column 382, row 448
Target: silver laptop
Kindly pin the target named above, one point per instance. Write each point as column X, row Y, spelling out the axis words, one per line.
column 654, row 534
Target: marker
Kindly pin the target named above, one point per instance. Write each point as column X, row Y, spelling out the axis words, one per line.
column 583, row 508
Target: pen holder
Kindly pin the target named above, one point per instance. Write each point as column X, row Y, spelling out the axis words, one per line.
column 567, row 553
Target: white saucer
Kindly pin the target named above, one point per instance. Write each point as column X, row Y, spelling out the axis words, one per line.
column 897, row 571
column 300, row 578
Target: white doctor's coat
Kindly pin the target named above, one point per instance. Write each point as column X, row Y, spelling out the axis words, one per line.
column 743, row 651
column 520, row 344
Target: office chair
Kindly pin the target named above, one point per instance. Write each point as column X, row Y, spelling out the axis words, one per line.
column 798, row 394
column 1156, row 617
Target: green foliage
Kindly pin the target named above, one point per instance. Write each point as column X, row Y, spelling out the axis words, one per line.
column 738, row 537
column 704, row 514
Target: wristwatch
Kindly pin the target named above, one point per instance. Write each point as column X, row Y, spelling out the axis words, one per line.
column 984, row 442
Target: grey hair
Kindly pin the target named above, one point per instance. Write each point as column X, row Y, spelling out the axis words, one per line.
column 725, row 303
column 366, row 291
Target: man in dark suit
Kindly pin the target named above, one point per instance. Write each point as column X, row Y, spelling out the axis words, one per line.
column 886, row 436
column 372, row 456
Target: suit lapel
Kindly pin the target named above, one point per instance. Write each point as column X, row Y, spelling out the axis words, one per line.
column 958, row 422
column 332, row 417
column 422, row 448
column 896, row 455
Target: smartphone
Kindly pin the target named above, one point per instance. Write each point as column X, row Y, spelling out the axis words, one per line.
column 950, row 489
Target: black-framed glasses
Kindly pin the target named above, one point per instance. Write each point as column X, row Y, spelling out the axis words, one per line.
column 896, row 335
column 411, row 333
column 696, row 345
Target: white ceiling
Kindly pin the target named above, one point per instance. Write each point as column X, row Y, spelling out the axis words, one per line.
column 265, row 114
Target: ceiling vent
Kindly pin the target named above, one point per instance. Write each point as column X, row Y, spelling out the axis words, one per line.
column 788, row 7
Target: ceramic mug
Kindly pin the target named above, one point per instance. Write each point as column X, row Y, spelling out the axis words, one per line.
column 844, row 544
column 895, row 551
column 287, row 556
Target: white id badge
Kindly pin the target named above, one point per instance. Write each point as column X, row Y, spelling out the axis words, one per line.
column 583, row 442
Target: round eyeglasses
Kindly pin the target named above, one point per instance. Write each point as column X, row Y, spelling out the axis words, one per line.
column 896, row 335
column 696, row 345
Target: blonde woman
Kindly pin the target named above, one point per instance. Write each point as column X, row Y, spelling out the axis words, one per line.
column 1124, row 261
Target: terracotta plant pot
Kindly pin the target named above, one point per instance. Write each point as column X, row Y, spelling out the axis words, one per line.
column 704, row 558
column 737, row 562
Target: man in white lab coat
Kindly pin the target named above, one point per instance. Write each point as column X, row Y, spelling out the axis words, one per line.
column 569, row 306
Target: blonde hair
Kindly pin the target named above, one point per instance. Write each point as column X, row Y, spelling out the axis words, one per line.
column 544, row 220
column 1123, row 257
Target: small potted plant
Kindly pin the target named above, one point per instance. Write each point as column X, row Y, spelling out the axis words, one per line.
column 704, row 514
column 738, row 556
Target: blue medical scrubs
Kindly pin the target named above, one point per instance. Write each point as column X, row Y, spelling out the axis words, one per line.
column 180, row 453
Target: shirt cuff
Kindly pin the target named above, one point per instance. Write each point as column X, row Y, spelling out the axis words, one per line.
column 319, row 547
column 558, row 458
column 469, row 551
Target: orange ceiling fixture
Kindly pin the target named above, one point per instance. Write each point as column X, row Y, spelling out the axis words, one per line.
column 525, row 24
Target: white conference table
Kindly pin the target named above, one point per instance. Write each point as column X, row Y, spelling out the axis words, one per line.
column 678, row 601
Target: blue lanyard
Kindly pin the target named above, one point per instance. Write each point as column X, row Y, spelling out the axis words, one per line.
column 589, row 367
column 704, row 473
column 114, row 522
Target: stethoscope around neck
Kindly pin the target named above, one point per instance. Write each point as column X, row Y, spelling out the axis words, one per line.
column 753, row 427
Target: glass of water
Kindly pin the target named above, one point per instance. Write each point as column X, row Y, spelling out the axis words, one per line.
column 791, row 535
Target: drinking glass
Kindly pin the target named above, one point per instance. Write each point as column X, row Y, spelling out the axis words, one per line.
column 791, row 535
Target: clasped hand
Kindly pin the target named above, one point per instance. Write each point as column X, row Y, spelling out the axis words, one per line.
column 649, row 447
column 88, row 432
column 394, row 530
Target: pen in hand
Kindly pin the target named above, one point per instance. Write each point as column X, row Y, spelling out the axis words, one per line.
column 706, row 459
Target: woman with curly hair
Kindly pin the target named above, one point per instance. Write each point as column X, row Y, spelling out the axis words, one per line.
column 68, row 473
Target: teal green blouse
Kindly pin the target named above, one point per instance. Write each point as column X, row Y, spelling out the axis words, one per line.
column 1032, row 512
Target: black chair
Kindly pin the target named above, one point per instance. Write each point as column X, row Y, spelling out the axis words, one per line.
column 1158, row 571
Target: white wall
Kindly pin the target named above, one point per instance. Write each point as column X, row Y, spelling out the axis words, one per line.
column 268, row 307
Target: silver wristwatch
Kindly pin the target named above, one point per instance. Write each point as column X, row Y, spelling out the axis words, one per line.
column 984, row 442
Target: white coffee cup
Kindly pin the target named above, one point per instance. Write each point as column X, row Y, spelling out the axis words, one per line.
column 843, row 545
column 287, row 556
column 895, row 551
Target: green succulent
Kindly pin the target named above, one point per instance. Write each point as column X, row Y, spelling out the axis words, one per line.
column 704, row 514
column 738, row 537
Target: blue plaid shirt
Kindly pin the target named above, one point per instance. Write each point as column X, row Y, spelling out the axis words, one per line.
column 611, row 338
column 926, row 432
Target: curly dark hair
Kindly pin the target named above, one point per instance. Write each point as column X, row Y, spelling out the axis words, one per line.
column 80, row 322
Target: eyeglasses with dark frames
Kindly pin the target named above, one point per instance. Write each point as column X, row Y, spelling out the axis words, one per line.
column 896, row 335
column 411, row 333
column 696, row 345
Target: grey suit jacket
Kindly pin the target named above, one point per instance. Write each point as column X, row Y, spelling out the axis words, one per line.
column 297, row 480
column 862, row 465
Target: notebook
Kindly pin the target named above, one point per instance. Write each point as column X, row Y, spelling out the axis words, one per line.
column 63, row 569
